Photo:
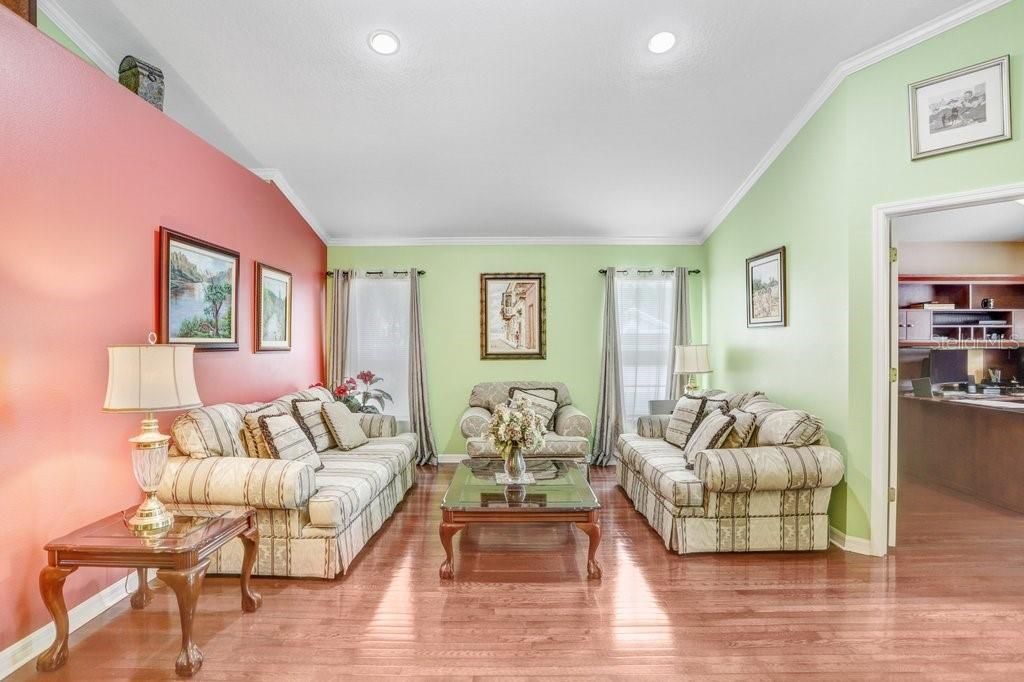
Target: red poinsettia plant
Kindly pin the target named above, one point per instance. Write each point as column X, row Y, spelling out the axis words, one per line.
column 361, row 399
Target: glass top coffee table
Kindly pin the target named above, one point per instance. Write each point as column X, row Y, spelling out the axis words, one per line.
column 560, row 494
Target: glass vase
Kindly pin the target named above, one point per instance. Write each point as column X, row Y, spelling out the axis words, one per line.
column 515, row 464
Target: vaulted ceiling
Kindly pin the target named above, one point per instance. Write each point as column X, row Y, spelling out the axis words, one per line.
column 534, row 120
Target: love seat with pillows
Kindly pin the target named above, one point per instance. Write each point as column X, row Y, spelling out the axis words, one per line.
column 316, row 505
column 731, row 472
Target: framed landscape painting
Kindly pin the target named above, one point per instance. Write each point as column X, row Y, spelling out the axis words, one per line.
column 512, row 324
column 766, row 289
column 198, row 292
column 273, row 309
column 961, row 109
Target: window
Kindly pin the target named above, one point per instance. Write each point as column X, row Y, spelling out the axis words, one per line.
column 644, row 310
column 378, row 329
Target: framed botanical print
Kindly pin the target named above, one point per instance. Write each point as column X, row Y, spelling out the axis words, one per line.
column 766, row 289
column 273, row 309
column 512, row 321
column 198, row 292
column 960, row 109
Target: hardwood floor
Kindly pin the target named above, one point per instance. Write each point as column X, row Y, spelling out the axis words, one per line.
column 521, row 605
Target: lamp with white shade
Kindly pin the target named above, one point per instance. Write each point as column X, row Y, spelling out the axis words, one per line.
column 148, row 379
column 692, row 360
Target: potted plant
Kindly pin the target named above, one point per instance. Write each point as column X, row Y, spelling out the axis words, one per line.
column 361, row 399
column 513, row 429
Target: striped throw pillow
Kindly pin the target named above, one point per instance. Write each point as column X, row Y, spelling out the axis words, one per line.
column 685, row 417
column 309, row 414
column 255, row 444
column 709, row 434
column 544, row 407
column 286, row 440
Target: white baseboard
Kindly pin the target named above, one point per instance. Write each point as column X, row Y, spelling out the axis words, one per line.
column 451, row 458
column 849, row 543
column 25, row 650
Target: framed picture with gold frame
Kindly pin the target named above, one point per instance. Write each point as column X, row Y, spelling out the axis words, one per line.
column 766, row 289
column 512, row 317
column 273, row 309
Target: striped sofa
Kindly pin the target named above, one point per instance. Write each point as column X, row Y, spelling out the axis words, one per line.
column 311, row 523
column 761, row 497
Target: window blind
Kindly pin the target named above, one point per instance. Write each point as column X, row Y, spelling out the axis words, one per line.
column 379, row 336
column 644, row 309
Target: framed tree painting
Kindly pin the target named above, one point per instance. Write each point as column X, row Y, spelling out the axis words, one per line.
column 960, row 109
column 766, row 289
column 198, row 292
column 512, row 319
column 273, row 309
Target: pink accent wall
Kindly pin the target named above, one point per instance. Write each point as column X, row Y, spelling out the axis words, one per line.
column 88, row 173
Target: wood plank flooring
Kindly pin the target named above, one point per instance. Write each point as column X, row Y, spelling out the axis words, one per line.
column 945, row 605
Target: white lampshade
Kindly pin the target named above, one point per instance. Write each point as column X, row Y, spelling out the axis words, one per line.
column 692, row 360
column 151, row 378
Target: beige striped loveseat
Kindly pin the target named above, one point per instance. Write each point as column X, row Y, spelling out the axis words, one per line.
column 768, row 492
column 311, row 523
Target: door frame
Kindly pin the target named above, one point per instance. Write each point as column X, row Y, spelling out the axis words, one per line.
column 885, row 344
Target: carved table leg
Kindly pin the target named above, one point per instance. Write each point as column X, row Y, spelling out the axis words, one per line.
column 187, row 584
column 143, row 595
column 448, row 531
column 251, row 542
column 593, row 531
column 51, row 587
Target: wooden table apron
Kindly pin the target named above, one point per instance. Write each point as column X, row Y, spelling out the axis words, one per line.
column 454, row 520
column 182, row 571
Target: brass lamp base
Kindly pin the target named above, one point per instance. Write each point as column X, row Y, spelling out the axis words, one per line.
column 151, row 518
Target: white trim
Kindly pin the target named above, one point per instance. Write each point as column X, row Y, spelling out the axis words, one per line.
column 24, row 650
column 882, row 335
column 512, row 241
column 848, row 543
column 62, row 20
column 450, row 458
column 277, row 177
column 863, row 60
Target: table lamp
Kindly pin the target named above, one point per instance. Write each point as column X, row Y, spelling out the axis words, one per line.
column 692, row 360
column 148, row 379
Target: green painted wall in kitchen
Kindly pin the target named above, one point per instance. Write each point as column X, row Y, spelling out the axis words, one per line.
column 816, row 199
column 451, row 312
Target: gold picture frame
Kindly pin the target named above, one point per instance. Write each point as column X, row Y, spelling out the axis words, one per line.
column 513, row 324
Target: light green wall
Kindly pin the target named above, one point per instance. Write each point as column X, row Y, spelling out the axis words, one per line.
column 450, row 303
column 47, row 26
column 816, row 199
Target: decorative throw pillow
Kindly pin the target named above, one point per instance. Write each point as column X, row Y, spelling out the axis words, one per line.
column 742, row 430
column 309, row 414
column 793, row 428
column 709, row 434
column 344, row 426
column 544, row 407
column 738, row 400
column 286, row 440
column 713, row 402
column 255, row 444
column 685, row 417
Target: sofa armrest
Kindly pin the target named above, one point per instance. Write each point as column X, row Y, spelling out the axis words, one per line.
column 379, row 425
column 652, row 425
column 742, row 470
column 570, row 421
column 474, row 421
column 237, row 481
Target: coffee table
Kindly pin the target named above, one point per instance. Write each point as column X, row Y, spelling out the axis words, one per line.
column 561, row 494
column 181, row 557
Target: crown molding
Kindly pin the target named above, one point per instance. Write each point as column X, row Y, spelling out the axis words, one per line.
column 62, row 20
column 514, row 241
column 277, row 177
column 846, row 68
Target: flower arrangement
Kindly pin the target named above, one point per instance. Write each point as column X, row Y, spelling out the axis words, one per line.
column 515, row 427
column 359, row 400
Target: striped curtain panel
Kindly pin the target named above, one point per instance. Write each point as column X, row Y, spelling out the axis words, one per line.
column 419, row 408
column 338, row 343
column 609, row 401
column 680, row 328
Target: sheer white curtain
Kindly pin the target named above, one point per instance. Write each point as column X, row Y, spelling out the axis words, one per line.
column 645, row 307
column 378, row 335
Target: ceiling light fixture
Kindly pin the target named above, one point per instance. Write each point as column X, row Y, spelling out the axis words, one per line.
column 383, row 42
column 661, row 43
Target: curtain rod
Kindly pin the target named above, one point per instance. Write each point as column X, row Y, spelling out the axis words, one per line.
column 381, row 272
column 604, row 271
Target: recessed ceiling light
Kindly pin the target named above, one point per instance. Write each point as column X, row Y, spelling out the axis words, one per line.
column 384, row 42
column 661, row 42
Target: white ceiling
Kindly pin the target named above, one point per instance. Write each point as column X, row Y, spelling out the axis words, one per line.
column 533, row 120
column 1002, row 222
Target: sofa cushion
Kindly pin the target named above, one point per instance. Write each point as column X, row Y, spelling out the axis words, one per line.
column 710, row 433
column 713, row 402
column 685, row 417
column 211, row 431
column 542, row 406
column 738, row 399
column 285, row 439
column 308, row 414
column 344, row 426
column 490, row 394
column 396, row 452
column 742, row 430
column 255, row 440
column 793, row 428
column 663, row 466
column 554, row 446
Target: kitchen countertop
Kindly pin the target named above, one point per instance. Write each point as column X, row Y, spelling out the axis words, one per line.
column 1002, row 403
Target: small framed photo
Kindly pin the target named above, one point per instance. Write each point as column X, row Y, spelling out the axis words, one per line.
column 198, row 292
column 961, row 109
column 512, row 324
column 766, row 289
column 273, row 309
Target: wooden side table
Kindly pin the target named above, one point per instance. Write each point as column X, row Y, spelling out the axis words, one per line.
column 181, row 557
